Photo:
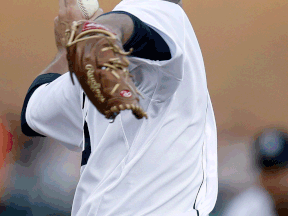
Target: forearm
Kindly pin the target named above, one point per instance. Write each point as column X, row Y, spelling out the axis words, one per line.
column 58, row 65
column 120, row 24
column 136, row 34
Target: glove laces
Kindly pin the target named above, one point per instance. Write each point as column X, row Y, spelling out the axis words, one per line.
column 114, row 64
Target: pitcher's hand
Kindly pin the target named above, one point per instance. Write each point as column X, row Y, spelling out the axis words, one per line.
column 68, row 12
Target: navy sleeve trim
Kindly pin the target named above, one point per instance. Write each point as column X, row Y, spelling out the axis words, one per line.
column 145, row 41
column 40, row 80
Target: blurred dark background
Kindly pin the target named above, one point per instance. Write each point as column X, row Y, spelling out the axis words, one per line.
column 245, row 49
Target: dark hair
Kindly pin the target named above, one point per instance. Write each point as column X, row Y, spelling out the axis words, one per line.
column 271, row 149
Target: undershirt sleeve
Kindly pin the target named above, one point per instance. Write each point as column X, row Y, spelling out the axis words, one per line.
column 145, row 41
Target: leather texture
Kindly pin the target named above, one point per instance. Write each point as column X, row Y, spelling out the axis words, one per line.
column 97, row 58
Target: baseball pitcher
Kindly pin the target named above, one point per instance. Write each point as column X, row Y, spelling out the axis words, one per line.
column 128, row 89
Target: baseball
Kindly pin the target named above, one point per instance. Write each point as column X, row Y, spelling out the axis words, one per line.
column 88, row 7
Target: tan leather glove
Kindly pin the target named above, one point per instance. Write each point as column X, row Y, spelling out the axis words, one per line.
column 99, row 62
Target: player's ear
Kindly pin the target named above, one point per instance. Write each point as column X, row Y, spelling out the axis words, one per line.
column 97, row 14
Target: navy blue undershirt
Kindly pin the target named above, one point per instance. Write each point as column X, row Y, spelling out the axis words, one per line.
column 146, row 43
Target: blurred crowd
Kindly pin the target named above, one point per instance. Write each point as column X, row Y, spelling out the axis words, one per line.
column 264, row 191
column 39, row 175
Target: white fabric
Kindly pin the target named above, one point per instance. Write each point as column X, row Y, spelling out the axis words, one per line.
column 166, row 165
column 254, row 201
column 54, row 110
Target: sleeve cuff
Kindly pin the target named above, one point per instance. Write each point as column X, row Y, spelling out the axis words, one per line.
column 40, row 80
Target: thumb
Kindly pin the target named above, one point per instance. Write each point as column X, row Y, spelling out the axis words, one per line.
column 56, row 20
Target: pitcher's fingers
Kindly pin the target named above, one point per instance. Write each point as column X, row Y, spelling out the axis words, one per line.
column 65, row 5
column 56, row 20
column 62, row 4
column 70, row 2
column 62, row 7
column 56, row 24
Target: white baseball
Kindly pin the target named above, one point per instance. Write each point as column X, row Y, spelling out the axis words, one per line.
column 88, row 7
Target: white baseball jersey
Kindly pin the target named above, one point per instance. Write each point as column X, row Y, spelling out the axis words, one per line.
column 163, row 165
